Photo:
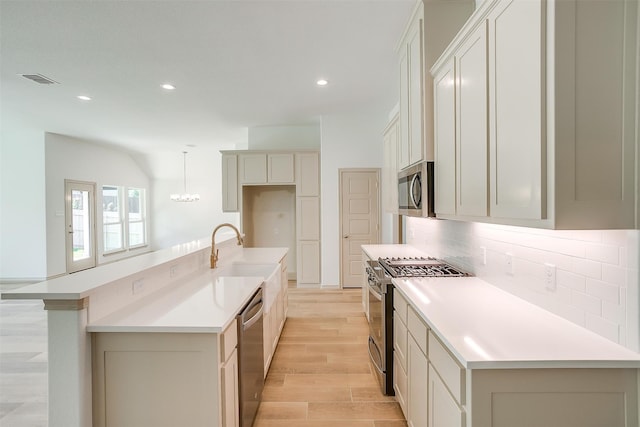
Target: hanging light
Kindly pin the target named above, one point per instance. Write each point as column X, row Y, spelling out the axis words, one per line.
column 185, row 197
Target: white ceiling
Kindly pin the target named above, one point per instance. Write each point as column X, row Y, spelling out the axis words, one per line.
column 235, row 64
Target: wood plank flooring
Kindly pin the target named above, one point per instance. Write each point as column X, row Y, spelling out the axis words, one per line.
column 320, row 374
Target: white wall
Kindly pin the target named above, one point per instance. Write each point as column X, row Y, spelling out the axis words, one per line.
column 349, row 140
column 284, row 137
column 75, row 159
column 597, row 271
column 22, row 206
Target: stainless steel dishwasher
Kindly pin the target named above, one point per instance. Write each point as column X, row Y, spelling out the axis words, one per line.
column 250, row 359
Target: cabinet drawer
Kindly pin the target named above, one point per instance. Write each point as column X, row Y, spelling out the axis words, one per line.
column 400, row 306
column 400, row 342
column 417, row 329
column 452, row 374
column 228, row 341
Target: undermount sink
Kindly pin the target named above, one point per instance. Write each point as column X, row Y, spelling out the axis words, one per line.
column 247, row 270
column 268, row 272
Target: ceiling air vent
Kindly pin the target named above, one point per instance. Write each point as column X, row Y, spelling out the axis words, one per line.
column 39, row 78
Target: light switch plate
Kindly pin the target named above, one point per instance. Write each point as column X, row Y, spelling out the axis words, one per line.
column 509, row 263
column 550, row 276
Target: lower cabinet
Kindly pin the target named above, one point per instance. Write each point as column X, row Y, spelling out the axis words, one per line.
column 230, row 391
column 165, row 379
column 418, row 369
column 275, row 316
column 437, row 391
column 443, row 408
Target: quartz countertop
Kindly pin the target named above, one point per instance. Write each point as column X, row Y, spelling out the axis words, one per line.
column 485, row 327
column 204, row 303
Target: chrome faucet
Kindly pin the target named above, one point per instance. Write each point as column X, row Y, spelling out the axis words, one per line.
column 214, row 251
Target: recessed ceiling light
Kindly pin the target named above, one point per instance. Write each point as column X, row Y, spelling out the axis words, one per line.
column 168, row 86
column 322, row 82
column 84, row 97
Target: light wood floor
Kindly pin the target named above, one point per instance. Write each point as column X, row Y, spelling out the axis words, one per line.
column 320, row 374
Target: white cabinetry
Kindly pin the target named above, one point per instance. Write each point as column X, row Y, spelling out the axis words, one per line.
column 443, row 409
column 201, row 369
column 276, row 314
column 544, row 114
column 390, row 169
column 410, row 52
column 265, row 168
column 299, row 169
column 229, row 183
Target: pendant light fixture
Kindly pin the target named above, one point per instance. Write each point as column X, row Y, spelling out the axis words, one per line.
column 185, row 197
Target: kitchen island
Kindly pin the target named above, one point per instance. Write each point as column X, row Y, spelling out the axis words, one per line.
column 168, row 290
column 468, row 354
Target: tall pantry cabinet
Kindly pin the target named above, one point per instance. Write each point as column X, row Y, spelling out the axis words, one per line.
column 536, row 115
column 256, row 172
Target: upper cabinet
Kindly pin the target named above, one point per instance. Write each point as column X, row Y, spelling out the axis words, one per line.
column 263, row 168
column 390, row 167
column 230, row 183
column 429, row 30
column 411, row 120
column 535, row 115
column 308, row 174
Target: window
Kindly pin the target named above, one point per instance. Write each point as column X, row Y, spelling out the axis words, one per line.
column 112, row 219
column 136, row 217
column 120, row 218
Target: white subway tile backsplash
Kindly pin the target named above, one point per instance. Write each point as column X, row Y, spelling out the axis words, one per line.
column 603, row 327
column 571, row 280
column 603, row 253
column 614, row 275
column 587, row 268
column 588, row 303
column 603, row 291
column 598, row 278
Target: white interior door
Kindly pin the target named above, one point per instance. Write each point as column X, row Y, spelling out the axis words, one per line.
column 80, row 225
column 359, row 220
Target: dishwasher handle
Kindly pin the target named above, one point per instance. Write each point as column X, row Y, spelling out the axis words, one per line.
column 253, row 311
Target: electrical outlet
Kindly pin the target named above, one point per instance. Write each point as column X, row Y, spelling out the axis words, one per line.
column 509, row 263
column 173, row 271
column 550, row 276
column 483, row 255
column 137, row 286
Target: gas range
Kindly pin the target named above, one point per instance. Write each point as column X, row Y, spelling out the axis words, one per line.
column 419, row 267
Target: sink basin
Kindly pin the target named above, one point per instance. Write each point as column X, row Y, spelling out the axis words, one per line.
column 270, row 273
column 248, row 270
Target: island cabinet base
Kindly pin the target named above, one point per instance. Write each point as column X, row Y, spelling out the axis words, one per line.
column 553, row 397
column 164, row 379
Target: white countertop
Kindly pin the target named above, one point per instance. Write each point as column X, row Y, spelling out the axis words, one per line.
column 205, row 303
column 83, row 283
column 485, row 327
column 392, row 250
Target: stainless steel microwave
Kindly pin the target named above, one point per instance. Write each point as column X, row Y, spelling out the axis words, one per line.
column 415, row 190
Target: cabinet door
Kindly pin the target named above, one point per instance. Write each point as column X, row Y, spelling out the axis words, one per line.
column 418, row 386
column 400, row 384
column 403, row 150
column 472, row 149
column 307, row 174
column 280, row 168
column 400, row 341
column 443, row 410
column 229, row 183
column 230, row 396
column 308, row 262
column 516, row 109
column 390, row 170
column 416, row 81
column 267, row 339
column 308, row 217
column 445, row 140
column 253, row 168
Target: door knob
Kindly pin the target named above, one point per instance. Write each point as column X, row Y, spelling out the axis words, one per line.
column 346, row 236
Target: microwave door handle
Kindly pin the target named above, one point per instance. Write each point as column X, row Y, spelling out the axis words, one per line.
column 411, row 193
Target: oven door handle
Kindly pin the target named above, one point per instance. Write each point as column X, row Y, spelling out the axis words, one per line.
column 376, row 294
column 373, row 359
